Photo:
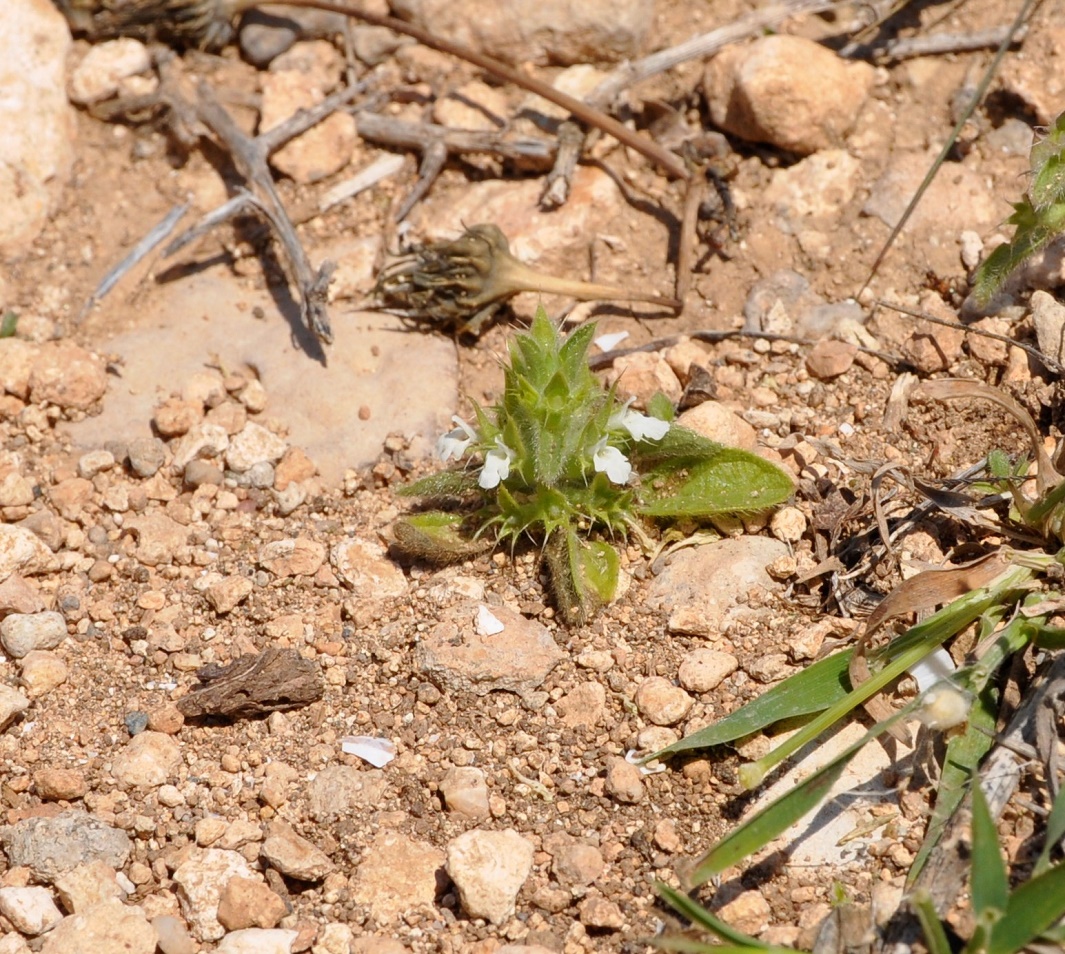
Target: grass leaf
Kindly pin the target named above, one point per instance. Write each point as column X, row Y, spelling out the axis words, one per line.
column 990, row 883
column 1032, row 909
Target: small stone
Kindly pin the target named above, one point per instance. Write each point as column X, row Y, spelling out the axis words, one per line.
column 22, row 552
column 489, row 869
column 231, row 416
column 95, row 462
column 367, row 569
column 340, row 789
column 12, row 703
column 293, row 557
column 105, row 927
column 174, row 937
column 787, row 91
column 58, row 784
column 200, row 472
column 149, row 759
column 19, row 595
column 135, row 722
column 200, row 881
column 577, row 865
column 31, row 910
column 254, row 445
column 465, row 792
column 294, row 467
column 247, row 903
column 71, row 497
column 67, row 376
column 42, row 671
column 202, row 441
column 748, row 912
column 829, row 359
column 788, row 524
column 624, row 781
column 258, row 941
column 146, row 456
column 16, row 361
column 770, row 667
column 1048, row 317
column 702, row 670
column 716, row 422
column 88, row 884
column 662, row 703
column 666, row 837
column 51, row 846
column 166, row 719
column 158, row 538
column 293, row 855
column 643, row 375
column 22, row 633
column 584, row 706
column 99, row 75
column 397, row 874
column 208, row 831
column 253, row 397
column 597, row 912
column 227, row 593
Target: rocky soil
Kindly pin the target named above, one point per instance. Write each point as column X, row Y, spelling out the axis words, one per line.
column 427, row 760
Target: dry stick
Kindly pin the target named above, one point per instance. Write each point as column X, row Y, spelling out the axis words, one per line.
column 940, row 43
column 981, row 89
column 557, row 186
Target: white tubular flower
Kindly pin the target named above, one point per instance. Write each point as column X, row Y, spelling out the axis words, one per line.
column 453, row 444
column 640, row 426
column 612, row 462
column 496, row 465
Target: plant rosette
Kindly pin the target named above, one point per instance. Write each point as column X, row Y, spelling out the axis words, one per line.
column 565, row 463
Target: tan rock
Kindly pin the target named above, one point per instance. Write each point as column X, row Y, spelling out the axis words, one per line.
column 246, row 902
column 396, row 874
column 60, row 784
column 68, row 376
column 293, row 557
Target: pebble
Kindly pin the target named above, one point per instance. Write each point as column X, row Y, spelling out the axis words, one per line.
column 200, row 472
column 176, row 416
column 465, row 792
column 583, row 706
column 661, row 702
column 367, row 569
column 489, row 869
column 807, row 198
column 258, row 941
column 135, row 722
column 100, row 73
column 60, row 784
column 1048, row 317
column 699, row 586
column 624, row 781
column 254, row 445
column 95, row 462
column 397, row 874
column 16, row 361
column 200, row 880
column 88, row 884
column 30, row 910
column 23, row 552
column 51, row 846
column 598, row 912
column 293, row 855
column 702, row 670
column 107, row 927
column 716, row 422
column 769, row 667
column 298, row 556
column 21, row 633
column 174, row 937
column 458, row 656
column 829, row 359
column 642, row 375
column 228, row 593
column 202, row 440
column 42, row 671
column 12, row 703
column 18, row 595
column 146, row 456
column 295, row 467
column 148, row 759
column 577, row 865
column 67, row 376
column 748, row 912
column 557, row 32
column 247, row 903
column 37, row 148
column 787, row 91
column 666, row 837
column 338, row 790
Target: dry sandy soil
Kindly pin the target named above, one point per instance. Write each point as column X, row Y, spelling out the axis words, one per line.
column 140, row 624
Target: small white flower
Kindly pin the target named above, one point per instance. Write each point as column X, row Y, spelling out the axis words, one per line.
column 640, row 426
column 453, row 444
column 496, row 466
column 612, row 462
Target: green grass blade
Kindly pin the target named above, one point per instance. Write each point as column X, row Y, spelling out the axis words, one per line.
column 990, row 883
column 934, row 935
column 781, row 814
column 812, row 690
column 1032, row 909
column 1054, row 834
column 700, row 917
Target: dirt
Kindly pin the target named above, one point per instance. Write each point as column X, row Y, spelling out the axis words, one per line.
column 128, row 176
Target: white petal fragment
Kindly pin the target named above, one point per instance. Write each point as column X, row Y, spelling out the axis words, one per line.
column 378, row 752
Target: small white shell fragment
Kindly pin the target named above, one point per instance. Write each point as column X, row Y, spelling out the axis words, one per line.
column 634, row 759
column 611, row 341
column 487, row 624
column 378, row 752
column 935, row 666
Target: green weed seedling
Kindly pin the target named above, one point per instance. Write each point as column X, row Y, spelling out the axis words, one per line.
column 564, row 463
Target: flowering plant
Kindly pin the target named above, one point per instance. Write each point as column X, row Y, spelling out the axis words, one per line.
column 561, row 459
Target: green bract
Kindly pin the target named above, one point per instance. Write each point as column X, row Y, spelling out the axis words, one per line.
column 561, row 459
